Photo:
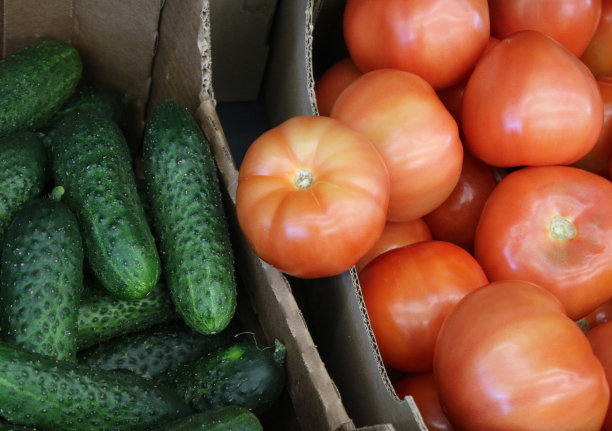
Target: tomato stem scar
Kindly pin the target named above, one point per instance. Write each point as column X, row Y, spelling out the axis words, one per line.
column 303, row 179
column 561, row 229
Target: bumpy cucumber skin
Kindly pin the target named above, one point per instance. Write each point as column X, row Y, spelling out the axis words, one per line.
column 39, row 391
column 41, row 279
column 23, row 171
column 154, row 351
column 229, row 418
column 184, row 192
column 34, row 82
column 103, row 316
column 91, row 160
column 241, row 374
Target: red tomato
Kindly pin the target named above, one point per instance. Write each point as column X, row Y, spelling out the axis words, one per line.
column 598, row 54
column 422, row 388
column 598, row 159
column 599, row 338
column 439, row 40
column 508, row 358
column 332, row 82
column 456, row 219
column 529, row 101
column 408, row 291
column 570, row 22
column 312, row 196
column 394, row 235
column 551, row 225
column 417, row 137
column 600, row 315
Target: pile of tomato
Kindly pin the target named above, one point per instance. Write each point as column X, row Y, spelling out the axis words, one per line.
column 461, row 162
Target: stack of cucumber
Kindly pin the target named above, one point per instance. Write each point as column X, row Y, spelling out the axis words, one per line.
column 116, row 306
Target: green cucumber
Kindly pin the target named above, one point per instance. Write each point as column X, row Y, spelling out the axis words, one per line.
column 41, row 279
column 184, row 193
column 102, row 316
column 23, row 173
column 40, row 391
column 241, row 374
column 229, row 418
column 34, row 82
column 151, row 352
column 91, row 160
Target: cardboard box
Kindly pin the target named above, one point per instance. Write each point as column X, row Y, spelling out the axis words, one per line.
column 154, row 50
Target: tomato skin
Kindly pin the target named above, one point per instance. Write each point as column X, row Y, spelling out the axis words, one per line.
column 519, row 234
column 598, row 54
column 600, row 315
column 422, row 387
column 570, row 22
column 332, row 82
column 599, row 338
column 408, row 291
column 509, row 358
column 455, row 220
column 530, row 102
column 404, row 118
column 439, row 40
column 395, row 235
column 326, row 228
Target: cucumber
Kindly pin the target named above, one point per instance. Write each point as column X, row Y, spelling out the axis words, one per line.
column 34, row 82
column 103, row 316
column 40, row 391
column 184, row 193
column 91, row 160
column 153, row 351
column 241, row 374
column 229, row 418
column 41, row 278
column 7, row 426
column 23, row 173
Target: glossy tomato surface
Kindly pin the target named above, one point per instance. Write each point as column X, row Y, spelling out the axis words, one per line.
column 551, row 225
column 422, row 387
column 602, row 348
column 508, row 358
column 332, row 82
column 415, row 134
column 529, row 101
column 439, row 40
column 312, row 196
column 598, row 53
column 408, row 291
column 455, row 220
column 570, row 22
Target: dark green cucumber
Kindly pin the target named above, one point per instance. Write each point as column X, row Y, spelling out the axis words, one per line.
column 41, row 279
column 23, row 171
column 91, row 160
column 103, row 316
column 184, row 193
column 154, row 351
column 7, row 426
column 34, row 82
column 242, row 374
column 229, row 418
column 40, row 391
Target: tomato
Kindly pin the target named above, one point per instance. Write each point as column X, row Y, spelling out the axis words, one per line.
column 408, row 291
column 417, row 137
column 551, row 225
column 600, row 315
column 312, row 196
column 529, row 101
column 438, row 40
column 598, row 159
column 599, row 338
column 395, row 235
column 422, row 388
column 570, row 22
column 331, row 83
column 456, row 219
column 598, row 53
column 508, row 358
